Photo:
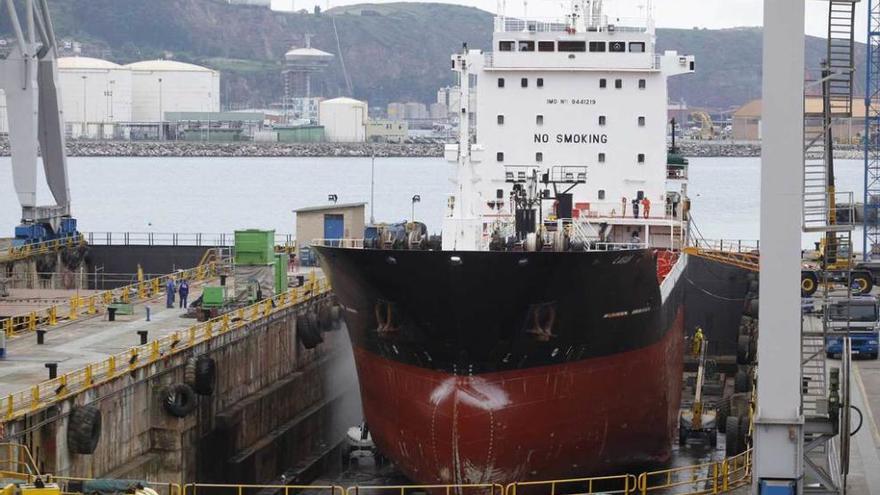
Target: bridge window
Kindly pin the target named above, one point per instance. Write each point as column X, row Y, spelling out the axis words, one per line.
column 501, row 120
column 601, row 157
column 643, row 84
column 618, row 83
column 637, row 47
column 505, row 46
column 540, row 82
column 539, row 157
column 546, row 46
column 539, row 119
column 602, row 120
column 641, row 158
column 524, row 82
column 603, row 83
column 572, row 46
column 526, row 46
column 641, row 121
column 500, row 82
column 597, row 46
column 601, row 193
column 617, row 46
column 499, row 156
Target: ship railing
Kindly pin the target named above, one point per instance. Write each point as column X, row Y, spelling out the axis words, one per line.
column 623, row 484
column 601, row 23
column 738, row 246
column 448, row 489
column 14, row 253
column 207, row 239
column 343, row 243
column 707, row 478
column 233, row 489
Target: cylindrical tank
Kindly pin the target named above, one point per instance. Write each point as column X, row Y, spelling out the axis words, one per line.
column 161, row 86
column 95, row 94
column 344, row 120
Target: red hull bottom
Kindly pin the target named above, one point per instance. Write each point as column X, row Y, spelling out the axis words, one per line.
column 586, row 417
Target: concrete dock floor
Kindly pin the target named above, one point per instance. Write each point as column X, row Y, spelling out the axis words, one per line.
column 75, row 344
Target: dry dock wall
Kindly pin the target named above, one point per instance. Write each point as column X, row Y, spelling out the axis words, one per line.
column 714, row 299
column 274, row 403
column 159, row 260
column 65, row 269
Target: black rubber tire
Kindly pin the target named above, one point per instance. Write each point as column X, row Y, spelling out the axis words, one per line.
column 325, row 318
column 742, row 349
column 863, row 281
column 809, row 284
column 83, row 430
column 189, row 372
column 179, row 400
column 721, row 414
column 336, row 314
column 307, row 331
column 205, row 375
column 751, row 307
column 731, row 436
column 743, row 433
column 753, row 349
column 741, row 382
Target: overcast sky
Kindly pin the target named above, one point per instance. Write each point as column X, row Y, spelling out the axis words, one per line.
column 669, row 13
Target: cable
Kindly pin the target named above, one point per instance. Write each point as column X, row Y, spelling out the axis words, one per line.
column 741, row 299
column 861, row 420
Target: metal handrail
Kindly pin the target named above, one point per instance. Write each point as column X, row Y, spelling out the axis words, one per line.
column 51, row 391
column 16, row 253
column 193, row 488
column 450, row 489
column 344, row 243
column 208, row 239
column 626, row 484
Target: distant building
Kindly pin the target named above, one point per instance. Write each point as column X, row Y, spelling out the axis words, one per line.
column 387, row 131
column 396, row 111
column 160, row 86
column 416, row 111
column 747, row 121
column 260, row 3
column 95, row 95
column 301, row 66
column 439, row 111
column 344, row 120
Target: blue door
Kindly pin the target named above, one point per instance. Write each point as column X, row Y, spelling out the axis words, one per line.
column 334, row 228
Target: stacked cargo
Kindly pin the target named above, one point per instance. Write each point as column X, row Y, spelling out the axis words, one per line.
column 255, row 264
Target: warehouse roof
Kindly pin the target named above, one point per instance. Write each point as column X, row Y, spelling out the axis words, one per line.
column 812, row 104
column 86, row 63
column 167, row 65
column 339, row 206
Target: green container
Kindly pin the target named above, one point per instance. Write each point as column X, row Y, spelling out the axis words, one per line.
column 254, row 247
column 281, row 262
column 213, row 297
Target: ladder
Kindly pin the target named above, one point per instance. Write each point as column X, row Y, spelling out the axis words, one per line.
column 841, row 22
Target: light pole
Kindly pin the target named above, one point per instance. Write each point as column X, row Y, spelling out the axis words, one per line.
column 161, row 127
column 85, row 123
column 372, row 187
column 415, row 199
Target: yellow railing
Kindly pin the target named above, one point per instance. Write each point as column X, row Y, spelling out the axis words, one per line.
column 62, row 387
column 28, row 250
column 623, row 484
column 71, row 485
column 79, row 306
column 706, row 478
column 16, row 458
column 220, row 489
column 451, row 489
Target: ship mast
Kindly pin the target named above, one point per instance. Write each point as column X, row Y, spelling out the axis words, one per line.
column 462, row 227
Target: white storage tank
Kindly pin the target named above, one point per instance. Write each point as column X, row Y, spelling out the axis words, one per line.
column 344, row 120
column 161, row 86
column 95, row 94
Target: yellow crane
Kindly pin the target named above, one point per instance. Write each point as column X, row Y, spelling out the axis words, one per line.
column 707, row 127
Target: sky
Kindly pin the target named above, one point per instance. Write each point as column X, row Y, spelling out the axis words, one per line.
column 686, row 14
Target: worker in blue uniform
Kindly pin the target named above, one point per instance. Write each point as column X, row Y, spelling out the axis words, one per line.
column 169, row 293
column 183, row 289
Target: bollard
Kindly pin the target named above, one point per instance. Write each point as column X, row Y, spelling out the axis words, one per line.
column 53, row 370
column 148, row 312
column 143, row 334
column 222, row 280
column 111, row 314
column 41, row 336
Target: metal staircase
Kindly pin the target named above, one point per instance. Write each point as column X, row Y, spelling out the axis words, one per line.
column 841, row 25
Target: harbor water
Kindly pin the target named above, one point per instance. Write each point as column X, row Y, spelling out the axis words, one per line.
column 215, row 195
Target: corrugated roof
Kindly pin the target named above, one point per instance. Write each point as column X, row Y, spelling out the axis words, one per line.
column 86, row 63
column 812, row 104
column 328, row 207
column 167, row 65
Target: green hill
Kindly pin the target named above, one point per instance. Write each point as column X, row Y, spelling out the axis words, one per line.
column 391, row 52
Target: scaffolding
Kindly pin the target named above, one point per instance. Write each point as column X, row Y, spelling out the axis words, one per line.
column 871, row 240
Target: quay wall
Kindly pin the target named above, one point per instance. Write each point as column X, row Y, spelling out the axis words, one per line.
column 274, row 404
column 65, row 269
column 118, row 261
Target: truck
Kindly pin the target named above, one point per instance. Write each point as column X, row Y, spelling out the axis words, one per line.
column 859, row 317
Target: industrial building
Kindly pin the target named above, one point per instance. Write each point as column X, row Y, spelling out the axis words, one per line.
column 96, row 95
column 301, row 93
column 396, row 111
column 160, row 86
column 335, row 221
column 344, row 120
column 387, row 131
column 747, row 121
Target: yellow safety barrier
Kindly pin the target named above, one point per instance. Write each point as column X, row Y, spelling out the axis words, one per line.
column 623, row 484
column 92, row 305
column 710, row 477
column 47, row 392
column 450, row 489
column 16, row 458
column 220, row 489
column 29, row 250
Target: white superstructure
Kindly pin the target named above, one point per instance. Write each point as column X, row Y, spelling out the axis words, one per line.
column 583, row 100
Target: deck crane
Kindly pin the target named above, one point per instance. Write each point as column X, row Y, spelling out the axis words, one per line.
column 29, row 77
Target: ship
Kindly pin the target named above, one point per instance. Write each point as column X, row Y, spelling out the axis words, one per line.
column 541, row 337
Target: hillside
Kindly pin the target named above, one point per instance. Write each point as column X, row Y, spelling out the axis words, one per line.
column 392, row 52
